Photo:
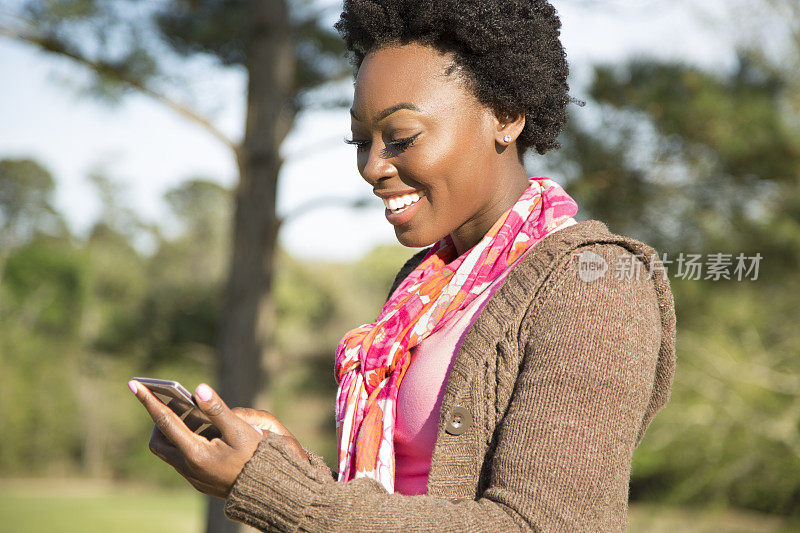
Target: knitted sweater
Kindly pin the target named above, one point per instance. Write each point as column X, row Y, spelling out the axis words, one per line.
column 551, row 391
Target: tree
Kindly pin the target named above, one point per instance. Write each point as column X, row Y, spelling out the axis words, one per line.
column 200, row 251
column 26, row 191
column 686, row 158
column 26, row 205
column 285, row 52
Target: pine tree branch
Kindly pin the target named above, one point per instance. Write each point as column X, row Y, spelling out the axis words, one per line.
column 101, row 68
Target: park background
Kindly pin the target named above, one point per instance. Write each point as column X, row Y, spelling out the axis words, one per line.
column 176, row 202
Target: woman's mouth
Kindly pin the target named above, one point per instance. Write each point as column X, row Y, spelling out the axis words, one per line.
column 398, row 204
column 400, row 209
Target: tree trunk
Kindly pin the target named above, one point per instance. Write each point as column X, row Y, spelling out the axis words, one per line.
column 248, row 315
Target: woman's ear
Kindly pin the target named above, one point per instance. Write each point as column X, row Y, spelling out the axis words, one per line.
column 508, row 127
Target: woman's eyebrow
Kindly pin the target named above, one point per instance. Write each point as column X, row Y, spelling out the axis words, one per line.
column 389, row 110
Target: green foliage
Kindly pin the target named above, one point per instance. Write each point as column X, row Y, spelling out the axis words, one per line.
column 739, row 116
column 202, row 206
column 114, row 39
column 378, row 268
column 40, row 433
column 54, row 11
column 731, row 432
column 45, row 282
column 691, row 160
column 220, row 28
column 26, row 191
column 213, row 27
column 330, row 299
column 304, row 300
column 79, row 320
column 137, row 45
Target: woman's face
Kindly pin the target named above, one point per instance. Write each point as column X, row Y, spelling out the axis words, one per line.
column 430, row 149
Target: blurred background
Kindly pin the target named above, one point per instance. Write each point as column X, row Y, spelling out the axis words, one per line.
column 176, row 202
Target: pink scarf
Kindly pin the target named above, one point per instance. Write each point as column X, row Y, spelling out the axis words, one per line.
column 372, row 359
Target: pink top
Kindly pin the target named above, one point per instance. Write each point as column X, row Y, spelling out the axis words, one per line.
column 419, row 399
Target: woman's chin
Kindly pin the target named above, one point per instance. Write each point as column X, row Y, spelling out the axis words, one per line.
column 411, row 239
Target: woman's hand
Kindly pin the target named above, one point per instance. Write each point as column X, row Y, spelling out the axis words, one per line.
column 266, row 421
column 210, row 466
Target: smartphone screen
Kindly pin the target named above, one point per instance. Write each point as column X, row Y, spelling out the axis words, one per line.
column 176, row 397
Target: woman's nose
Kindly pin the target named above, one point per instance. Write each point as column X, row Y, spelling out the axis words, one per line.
column 374, row 164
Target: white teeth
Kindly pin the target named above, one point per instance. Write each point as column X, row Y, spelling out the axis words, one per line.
column 399, row 203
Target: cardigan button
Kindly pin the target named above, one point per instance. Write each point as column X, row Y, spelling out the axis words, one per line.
column 460, row 420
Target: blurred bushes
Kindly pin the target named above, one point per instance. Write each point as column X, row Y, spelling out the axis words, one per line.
column 730, row 434
column 79, row 318
column 703, row 162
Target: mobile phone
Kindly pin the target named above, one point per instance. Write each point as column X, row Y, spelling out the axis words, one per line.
column 176, row 397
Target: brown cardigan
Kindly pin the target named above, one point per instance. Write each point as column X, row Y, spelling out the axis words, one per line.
column 551, row 391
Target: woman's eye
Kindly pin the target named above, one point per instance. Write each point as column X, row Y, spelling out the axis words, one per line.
column 360, row 145
column 403, row 144
column 397, row 145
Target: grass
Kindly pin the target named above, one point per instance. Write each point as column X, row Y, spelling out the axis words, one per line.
column 653, row 518
column 86, row 506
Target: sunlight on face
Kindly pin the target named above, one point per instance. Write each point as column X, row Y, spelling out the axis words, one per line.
column 424, row 141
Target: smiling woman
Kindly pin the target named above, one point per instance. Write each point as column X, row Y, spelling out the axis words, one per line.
column 439, row 143
column 511, row 374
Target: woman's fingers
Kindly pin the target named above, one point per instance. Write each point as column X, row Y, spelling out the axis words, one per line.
column 167, row 452
column 264, row 420
column 205, row 488
column 210, row 466
column 167, row 422
column 235, row 431
column 267, row 421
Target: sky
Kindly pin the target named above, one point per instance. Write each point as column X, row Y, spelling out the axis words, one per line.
column 148, row 149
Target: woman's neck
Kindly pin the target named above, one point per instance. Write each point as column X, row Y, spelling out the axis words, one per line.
column 473, row 230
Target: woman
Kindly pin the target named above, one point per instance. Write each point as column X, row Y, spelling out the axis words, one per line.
column 515, row 367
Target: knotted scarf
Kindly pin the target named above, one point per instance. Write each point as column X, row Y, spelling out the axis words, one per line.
column 372, row 359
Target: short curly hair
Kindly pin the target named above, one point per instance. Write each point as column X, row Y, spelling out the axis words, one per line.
column 509, row 52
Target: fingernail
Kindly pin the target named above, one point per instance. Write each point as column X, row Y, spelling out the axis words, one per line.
column 203, row 392
column 260, row 431
column 132, row 386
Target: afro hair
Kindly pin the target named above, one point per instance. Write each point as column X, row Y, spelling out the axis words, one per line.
column 508, row 51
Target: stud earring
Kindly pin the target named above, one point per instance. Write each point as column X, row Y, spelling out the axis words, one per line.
column 507, row 139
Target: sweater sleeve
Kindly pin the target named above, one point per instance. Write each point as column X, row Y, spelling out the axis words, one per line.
column 564, row 445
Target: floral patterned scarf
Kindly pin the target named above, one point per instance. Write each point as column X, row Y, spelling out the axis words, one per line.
column 372, row 359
